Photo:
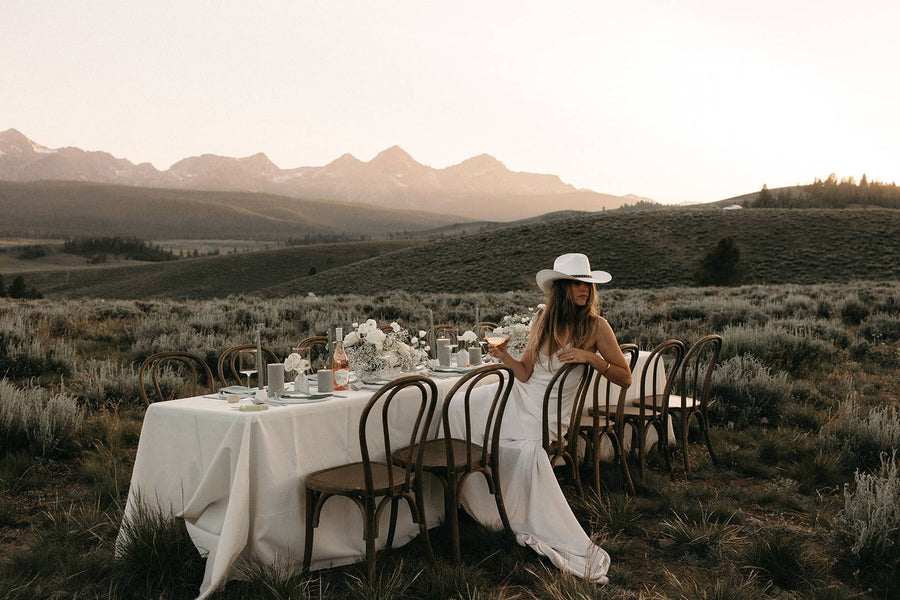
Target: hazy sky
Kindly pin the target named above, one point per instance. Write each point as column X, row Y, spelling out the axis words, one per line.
column 683, row 100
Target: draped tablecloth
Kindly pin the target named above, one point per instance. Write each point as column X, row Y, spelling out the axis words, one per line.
column 236, row 478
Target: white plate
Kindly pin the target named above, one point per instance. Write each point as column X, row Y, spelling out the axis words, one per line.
column 236, row 389
column 302, row 398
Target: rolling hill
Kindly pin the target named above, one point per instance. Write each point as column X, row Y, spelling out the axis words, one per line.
column 642, row 249
column 69, row 209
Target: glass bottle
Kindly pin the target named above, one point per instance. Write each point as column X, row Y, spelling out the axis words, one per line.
column 340, row 364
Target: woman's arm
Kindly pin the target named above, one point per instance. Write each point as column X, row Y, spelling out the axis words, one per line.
column 522, row 369
column 610, row 362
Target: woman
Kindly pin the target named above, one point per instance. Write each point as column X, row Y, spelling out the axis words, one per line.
column 568, row 330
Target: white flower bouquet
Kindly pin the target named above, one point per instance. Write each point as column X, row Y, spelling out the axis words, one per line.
column 516, row 327
column 376, row 354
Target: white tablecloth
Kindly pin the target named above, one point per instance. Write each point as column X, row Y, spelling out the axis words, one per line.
column 237, row 478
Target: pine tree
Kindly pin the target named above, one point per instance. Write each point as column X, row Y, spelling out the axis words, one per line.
column 721, row 266
column 17, row 288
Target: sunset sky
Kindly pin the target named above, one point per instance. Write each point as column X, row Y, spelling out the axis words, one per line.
column 688, row 100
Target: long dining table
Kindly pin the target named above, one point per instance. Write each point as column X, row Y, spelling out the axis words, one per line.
column 236, row 477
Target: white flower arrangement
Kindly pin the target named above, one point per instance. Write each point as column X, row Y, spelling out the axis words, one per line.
column 375, row 354
column 295, row 363
column 517, row 327
column 467, row 339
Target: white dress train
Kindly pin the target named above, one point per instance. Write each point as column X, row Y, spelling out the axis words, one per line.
column 538, row 511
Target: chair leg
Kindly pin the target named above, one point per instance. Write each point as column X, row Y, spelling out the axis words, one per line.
column 685, row 423
column 369, row 527
column 392, row 526
column 451, row 507
column 498, row 496
column 704, row 425
column 312, row 498
column 595, row 462
column 418, row 512
column 623, row 460
column 641, row 440
column 573, row 465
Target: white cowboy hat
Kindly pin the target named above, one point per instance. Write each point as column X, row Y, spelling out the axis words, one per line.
column 571, row 266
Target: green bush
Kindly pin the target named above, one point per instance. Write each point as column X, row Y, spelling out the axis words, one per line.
column 792, row 350
column 881, row 328
column 747, row 393
column 859, row 439
column 36, row 420
column 871, row 516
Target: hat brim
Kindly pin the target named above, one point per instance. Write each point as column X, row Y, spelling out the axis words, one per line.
column 546, row 277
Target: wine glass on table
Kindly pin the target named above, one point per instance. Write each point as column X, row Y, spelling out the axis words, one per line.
column 496, row 341
column 247, row 364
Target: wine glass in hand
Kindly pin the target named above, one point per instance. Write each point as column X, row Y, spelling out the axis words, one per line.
column 247, row 364
column 496, row 342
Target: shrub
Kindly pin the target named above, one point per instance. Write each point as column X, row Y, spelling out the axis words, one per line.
column 853, row 312
column 781, row 556
column 861, row 440
column 37, row 420
column 794, row 349
column 747, row 392
column 871, row 516
column 881, row 327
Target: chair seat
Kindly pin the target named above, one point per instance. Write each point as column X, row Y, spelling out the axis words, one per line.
column 587, row 421
column 351, row 479
column 435, row 455
column 674, row 402
column 634, row 412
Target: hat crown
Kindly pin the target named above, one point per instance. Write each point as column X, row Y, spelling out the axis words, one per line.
column 573, row 264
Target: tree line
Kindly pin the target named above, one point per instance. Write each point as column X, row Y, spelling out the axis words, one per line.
column 96, row 249
column 18, row 289
column 831, row 193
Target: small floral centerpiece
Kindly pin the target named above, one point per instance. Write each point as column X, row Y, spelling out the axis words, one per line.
column 294, row 363
column 517, row 327
column 467, row 340
column 376, row 354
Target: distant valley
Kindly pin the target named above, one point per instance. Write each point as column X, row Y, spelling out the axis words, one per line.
column 477, row 188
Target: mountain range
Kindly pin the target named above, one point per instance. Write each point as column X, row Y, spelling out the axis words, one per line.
column 480, row 187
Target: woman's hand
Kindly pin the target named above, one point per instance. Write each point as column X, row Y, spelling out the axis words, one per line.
column 499, row 351
column 573, row 355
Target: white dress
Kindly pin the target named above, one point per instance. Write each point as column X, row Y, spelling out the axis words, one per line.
column 538, row 511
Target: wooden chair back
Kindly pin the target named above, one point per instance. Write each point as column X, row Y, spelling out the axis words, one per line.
column 560, row 434
column 382, row 403
column 696, row 372
column 227, row 366
column 319, row 352
column 186, row 362
column 482, row 444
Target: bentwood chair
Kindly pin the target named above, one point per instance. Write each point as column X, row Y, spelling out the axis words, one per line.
column 561, row 417
column 178, row 361
column 319, row 352
column 475, row 449
column 651, row 408
column 693, row 400
column 229, row 359
column 605, row 419
column 483, row 328
column 372, row 484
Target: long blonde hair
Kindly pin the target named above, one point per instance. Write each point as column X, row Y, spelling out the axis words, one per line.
column 562, row 320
